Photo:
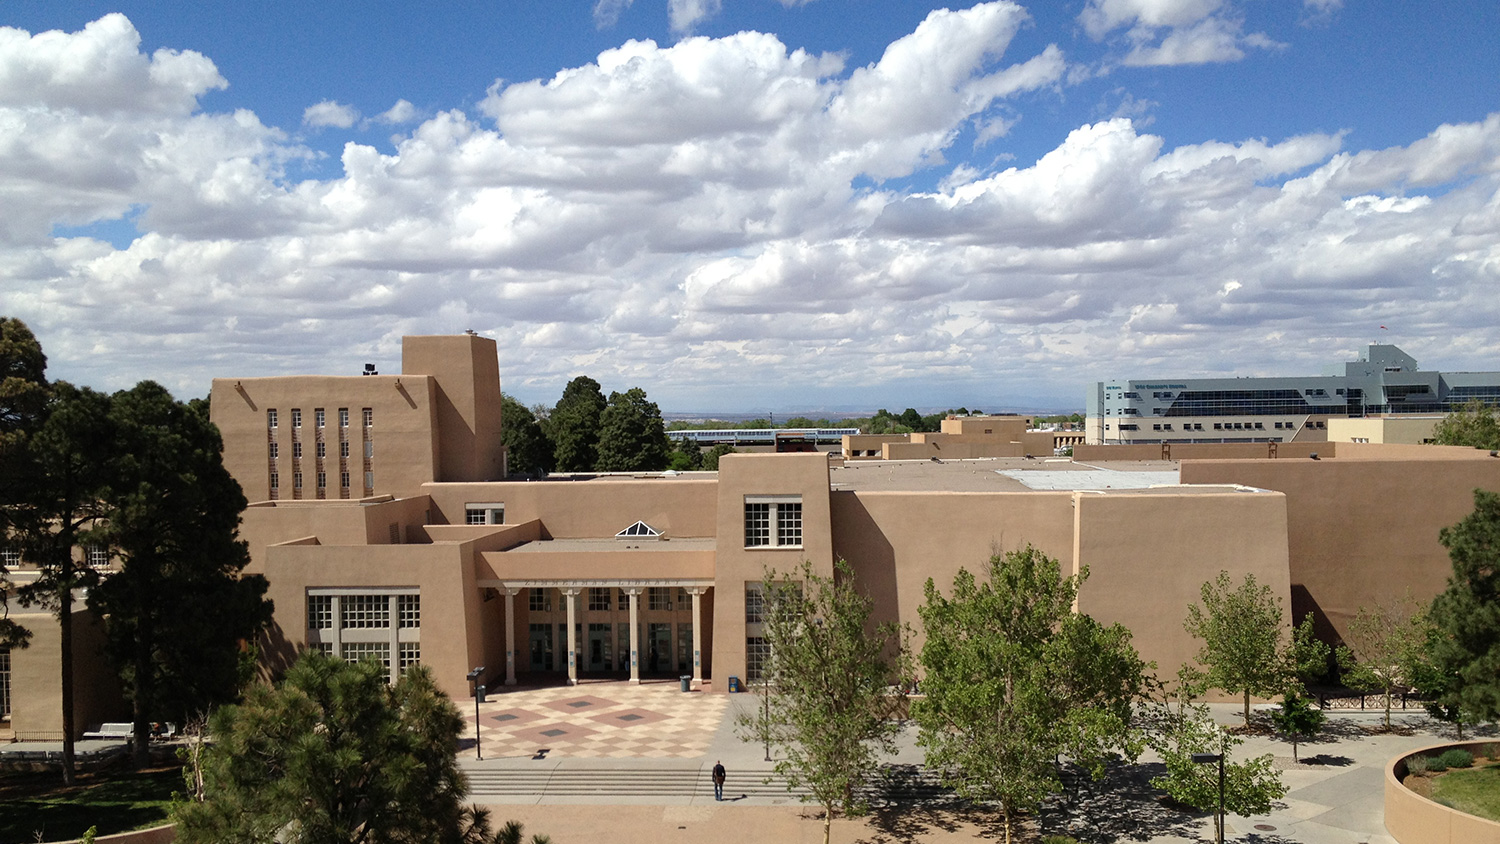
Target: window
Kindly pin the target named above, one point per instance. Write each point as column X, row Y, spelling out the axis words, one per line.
column 361, row 651
column 784, row 511
column 319, row 612
column 271, row 418
column 296, row 418
column 9, row 558
column 96, row 556
column 343, row 417
column 658, row 598
column 275, row 481
column 275, row 450
column 755, row 603
column 599, row 599
column 369, row 480
column 484, row 514
column 319, row 417
column 322, row 480
column 410, row 609
column 538, row 600
column 368, row 416
column 322, row 449
column 344, row 480
column 296, row 451
column 296, row 480
column 369, row 449
column 411, row 655
column 366, row 611
column 344, row 451
column 395, row 533
column 757, row 658
column 4, row 684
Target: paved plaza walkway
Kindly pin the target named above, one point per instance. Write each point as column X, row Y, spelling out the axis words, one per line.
column 630, row 764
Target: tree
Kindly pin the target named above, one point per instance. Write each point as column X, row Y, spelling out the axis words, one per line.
column 335, row 755
column 23, row 402
column 632, row 437
column 1381, row 646
column 574, row 425
column 54, row 505
column 1297, row 717
column 1250, row 787
column 711, row 457
column 528, row 450
column 686, row 456
column 1465, row 649
column 177, row 615
column 832, row 672
column 512, row 831
column 1475, row 425
column 1015, row 678
column 1241, row 630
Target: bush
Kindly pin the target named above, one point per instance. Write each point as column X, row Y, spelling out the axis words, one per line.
column 1491, row 751
column 1436, row 765
column 1418, row 765
column 1457, row 758
column 1059, row 839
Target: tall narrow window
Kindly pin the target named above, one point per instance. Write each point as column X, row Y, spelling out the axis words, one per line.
column 271, row 418
column 343, row 417
column 369, row 417
column 319, row 417
column 296, row 417
column 275, row 450
column 344, row 449
column 322, row 449
column 319, row 612
column 297, row 450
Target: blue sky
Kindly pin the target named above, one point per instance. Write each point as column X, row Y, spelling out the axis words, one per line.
column 890, row 205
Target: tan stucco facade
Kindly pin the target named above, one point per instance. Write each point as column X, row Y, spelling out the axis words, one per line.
column 1404, row 430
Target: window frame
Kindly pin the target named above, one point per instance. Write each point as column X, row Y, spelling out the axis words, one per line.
column 783, row 518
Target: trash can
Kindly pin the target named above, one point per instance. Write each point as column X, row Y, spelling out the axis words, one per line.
column 479, row 692
column 734, row 684
column 687, row 682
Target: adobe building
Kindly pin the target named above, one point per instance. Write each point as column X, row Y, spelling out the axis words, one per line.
column 428, row 555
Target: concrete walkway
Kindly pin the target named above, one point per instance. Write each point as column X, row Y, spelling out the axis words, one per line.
column 1335, row 792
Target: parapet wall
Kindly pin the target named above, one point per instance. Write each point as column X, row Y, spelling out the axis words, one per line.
column 1203, row 451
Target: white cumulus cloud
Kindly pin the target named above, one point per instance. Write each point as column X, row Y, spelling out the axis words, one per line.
column 329, row 113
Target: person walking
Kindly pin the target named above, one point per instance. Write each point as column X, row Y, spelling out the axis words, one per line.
column 719, row 781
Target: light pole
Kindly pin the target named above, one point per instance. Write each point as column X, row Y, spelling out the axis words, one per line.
column 474, row 678
column 765, row 713
column 1207, row 758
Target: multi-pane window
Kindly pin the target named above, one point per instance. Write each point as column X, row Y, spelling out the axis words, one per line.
column 9, row 558
column 410, row 609
column 344, row 480
column 322, row 449
column 4, row 684
column 297, row 451
column 369, row 449
column 755, row 603
column 682, row 597
column 538, row 600
column 96, row 556
column 782, row 511
column 296, row 480
column 484, row 514
column 296, row 418
column 599, row 599
column 275, row 450
column 366, row 611
column 360, row 651
column 320, row 612
column 275, row 481
column 411, row 655
column 658, row 598
column 757, row 657
column 343, row 417
column 322, row 480
column 319, row 417
column 324, row 648
column 271, row 418
column 344, row 450
column 368, row 416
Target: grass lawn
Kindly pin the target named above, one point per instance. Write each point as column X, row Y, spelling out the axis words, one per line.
column 113, row 801
column 1474, row 790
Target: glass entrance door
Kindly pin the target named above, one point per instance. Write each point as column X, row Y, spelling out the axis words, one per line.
column 659, row 648
column 541, row 647
column 600, row 654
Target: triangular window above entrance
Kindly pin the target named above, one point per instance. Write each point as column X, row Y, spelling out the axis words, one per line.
column 638, row 531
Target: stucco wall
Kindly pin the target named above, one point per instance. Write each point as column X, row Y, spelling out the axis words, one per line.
column 36, row 678
column 466, row 402
column 676, row 506
column 1413, row 819
column 1202, row 451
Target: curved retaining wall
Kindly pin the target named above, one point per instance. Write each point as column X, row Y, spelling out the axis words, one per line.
column 155, row 835
column 1413, row 819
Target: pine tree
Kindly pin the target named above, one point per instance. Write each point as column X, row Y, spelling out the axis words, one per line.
column 574, row 425
column 1465, row 649
column 632, row 437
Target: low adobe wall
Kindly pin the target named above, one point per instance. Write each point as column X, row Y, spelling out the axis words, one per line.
column 1413, row 819
column 154, row 835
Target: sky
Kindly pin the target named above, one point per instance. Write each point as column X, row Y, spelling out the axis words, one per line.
column 753, row 205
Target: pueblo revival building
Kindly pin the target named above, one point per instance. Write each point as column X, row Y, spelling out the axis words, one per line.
column 383, row 523
column 1384, row 381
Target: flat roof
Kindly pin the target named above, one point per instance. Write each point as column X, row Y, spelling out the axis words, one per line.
column 1004, row 474
column 641, row 543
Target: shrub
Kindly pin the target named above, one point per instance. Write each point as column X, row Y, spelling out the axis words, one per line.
column 1491, row 751
column 1457, row 758
column 1059, row 839
column 1417, row 765
column 1436, row 765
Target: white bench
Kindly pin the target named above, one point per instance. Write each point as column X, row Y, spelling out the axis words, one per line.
column 111, row 731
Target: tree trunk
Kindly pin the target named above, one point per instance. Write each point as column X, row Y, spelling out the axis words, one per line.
column 1005, row 813
column 65, row 642
column 140, row 701
column 1247, row 707
column 827, row 823
column 1294, row 748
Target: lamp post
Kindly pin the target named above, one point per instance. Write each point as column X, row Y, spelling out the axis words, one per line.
column 474, row 678
column 1208, row 758
column 765, row 713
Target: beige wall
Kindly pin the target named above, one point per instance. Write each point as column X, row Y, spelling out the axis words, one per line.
column 1201, row 451
column 1362, row 531
column 740, row 475
column 1413, row 819
column 676, row 506
column 467, row 371
column 36, row 678
column 1410, row 430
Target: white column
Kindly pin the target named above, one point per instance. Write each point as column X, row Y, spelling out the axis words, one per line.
column 510, row 636
column 571, row 596
column 697, row 593
column 635, row 634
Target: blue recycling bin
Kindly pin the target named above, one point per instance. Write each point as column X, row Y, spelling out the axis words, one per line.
column 734, row 684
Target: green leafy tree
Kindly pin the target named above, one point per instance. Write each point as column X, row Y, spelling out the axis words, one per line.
column 335, row 755
column 1382, row 644
column 1297, row 717
column 528, row 450
column 711, row 457
column 1251, row 786
column 23, row 404
column 54, row 506
column 1475, row 425
column 831, row 670
column 1241, row 630
column 1437, row 685
column 574, row 425
column 686, row 456
column 632, row 437
column 178, row 615
column 1014, row 678
column 1465, row 647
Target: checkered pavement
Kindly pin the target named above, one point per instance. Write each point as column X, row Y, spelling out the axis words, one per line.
column 598, row 720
